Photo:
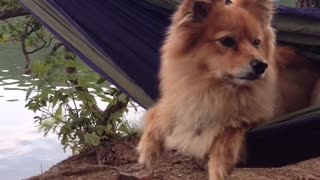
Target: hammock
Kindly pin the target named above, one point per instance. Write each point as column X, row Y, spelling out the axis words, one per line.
column 120, row 39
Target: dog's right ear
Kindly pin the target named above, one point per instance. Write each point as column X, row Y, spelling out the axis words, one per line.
column 195, row 11
column 261, row 9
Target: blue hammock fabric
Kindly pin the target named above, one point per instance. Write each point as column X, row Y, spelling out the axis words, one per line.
column 130, row 33
column 313, row 13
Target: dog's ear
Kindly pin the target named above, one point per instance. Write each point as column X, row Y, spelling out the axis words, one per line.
column 195, row 11
column 262, row 9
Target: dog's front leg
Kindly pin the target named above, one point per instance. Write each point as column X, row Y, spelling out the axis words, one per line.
column 225, row 153
column 150, row 145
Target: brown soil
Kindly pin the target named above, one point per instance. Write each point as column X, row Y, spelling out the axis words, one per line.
column 172, row 166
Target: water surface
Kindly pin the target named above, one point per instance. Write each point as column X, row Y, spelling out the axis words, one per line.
column 24, row 151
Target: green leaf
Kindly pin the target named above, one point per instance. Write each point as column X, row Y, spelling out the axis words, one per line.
column 3, row 28
column 5, row 37
column 58, row 113
column 101, row 80
column 123, row 98
column 117, row 115
column 38, row 67
column 124, row 128
column 100, row 130
column 104, row 98
column 92, row 139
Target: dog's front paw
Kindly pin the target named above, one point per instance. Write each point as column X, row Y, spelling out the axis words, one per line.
column 148, row 152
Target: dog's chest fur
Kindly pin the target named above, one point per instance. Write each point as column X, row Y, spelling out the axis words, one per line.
column 198, row 118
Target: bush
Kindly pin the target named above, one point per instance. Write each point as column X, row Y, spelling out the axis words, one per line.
column 66, row 93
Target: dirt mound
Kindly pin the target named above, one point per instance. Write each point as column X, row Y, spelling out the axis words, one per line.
column 105, row 162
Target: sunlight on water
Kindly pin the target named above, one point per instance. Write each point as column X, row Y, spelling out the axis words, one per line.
column 9, row 81
column 26, row 75
column 28, row 83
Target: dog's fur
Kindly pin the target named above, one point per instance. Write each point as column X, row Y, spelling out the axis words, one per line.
column 206, row 106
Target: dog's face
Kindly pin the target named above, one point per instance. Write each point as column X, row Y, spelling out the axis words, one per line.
column 229, row 42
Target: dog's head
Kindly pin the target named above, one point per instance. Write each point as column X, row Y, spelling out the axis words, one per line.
column 222, row 41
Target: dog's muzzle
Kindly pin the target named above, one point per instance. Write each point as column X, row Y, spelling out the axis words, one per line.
column 258, row 69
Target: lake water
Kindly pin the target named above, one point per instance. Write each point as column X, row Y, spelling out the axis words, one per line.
column 24, row 152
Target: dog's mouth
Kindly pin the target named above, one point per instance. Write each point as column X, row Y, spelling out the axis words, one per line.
column 251, row 77
column 245, row 78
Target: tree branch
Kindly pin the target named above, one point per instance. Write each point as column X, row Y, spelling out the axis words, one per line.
column 27, row 69
column 44, row 45
column 55, row 48
column 112, row 109
column 6, row 14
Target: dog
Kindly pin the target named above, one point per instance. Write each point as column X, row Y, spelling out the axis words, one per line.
column 220, row 75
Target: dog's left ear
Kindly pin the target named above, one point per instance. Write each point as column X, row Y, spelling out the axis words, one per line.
column 262, row 9
column 196, row 11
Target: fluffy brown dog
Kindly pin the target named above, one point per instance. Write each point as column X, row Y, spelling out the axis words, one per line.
column 220, row 75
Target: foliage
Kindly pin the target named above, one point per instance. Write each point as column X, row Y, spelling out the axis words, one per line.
column 7, row 5
column 65, row 91
column 68, row 103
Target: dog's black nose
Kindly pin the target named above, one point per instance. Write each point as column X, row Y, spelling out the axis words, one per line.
column 258, row 66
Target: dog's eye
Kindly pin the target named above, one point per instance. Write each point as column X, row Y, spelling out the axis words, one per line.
column 228, row 42
column 256, row 43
